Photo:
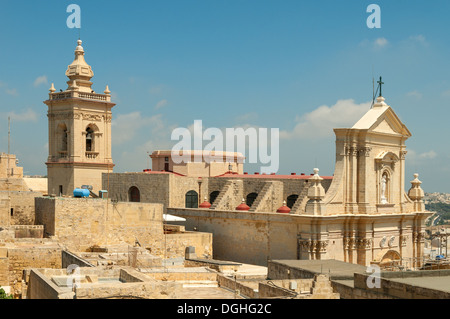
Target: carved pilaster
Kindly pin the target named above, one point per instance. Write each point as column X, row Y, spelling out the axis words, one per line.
column 403, row 154
column 313, row 246
column 363, row 243
column 403, row 240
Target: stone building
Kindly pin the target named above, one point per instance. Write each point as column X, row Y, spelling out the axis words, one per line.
column 8, row 166
column 198, row 163
column 361, row 214
column 79, row 131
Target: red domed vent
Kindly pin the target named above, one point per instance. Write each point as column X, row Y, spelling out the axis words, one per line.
column 243, row 206
column 205, row 204
column 284, row 209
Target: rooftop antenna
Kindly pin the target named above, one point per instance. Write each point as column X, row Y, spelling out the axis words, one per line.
column 373, row 86
column 9, row 144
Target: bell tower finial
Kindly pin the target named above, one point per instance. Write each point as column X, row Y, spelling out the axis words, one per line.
column 80, row 71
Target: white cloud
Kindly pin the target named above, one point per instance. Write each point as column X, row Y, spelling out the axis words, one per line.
column 156, row 90
column 414, row 94
column 126, row 126
column 246, row 117
column 27, row 115
column 7, row 90
column 415, row 158
column 446, row 93
column 40, row 80
column 428, row 155
column 12, row 92
column 320, row 122
column 160, row 104
column 419, row 39
column 381, row 42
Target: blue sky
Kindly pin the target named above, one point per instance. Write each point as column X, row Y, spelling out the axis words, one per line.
column 301, row 66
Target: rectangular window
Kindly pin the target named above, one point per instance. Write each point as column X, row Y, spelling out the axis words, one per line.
column 60, row 190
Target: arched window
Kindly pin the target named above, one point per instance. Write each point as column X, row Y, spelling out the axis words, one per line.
column 191, row 199
column 291, row 199
column 62, row 137
column 64, row 141
column 134, row 195
column 251, row 198
column 89, row 139
column 213, row 196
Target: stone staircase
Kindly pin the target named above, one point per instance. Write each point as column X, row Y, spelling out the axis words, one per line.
column 269, row 198
column 322, row 289
column 300, row 203
column 230, row 196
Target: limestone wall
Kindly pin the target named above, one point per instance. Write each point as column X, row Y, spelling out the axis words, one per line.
column 9, row 161
column 68, row 258
column 22, row 204
column 12, row 184
column 170, row 189
column 41, row 287
column 28, row 231
column 278, row 271
column 4, row 212
column 152, row 189
column 4, row 270
column 138, row 290
column 249, row 237
column 180, row 185
column 80, row 223
column 31, row 255
column 246, row 288
column 255, row 237
column 176, row 244
column 19, row 210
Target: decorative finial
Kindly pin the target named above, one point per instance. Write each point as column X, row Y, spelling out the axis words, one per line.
column 79, row 48
column 52, row 88
column 416, row 193
column 316, row 193
column 107, row 91
column 74, row 85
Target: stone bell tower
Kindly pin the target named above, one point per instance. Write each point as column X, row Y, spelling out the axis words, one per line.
column 79, row 131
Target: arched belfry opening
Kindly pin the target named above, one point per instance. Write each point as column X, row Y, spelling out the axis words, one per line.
column 89, row 139
column 62, row 136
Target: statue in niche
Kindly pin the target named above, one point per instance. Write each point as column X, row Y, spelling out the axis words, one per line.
column 383, row 189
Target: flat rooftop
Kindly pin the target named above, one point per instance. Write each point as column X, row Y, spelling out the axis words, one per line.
column 335, row 268
column 441, row 283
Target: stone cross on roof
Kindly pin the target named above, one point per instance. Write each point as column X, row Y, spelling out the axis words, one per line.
column 380, row 83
